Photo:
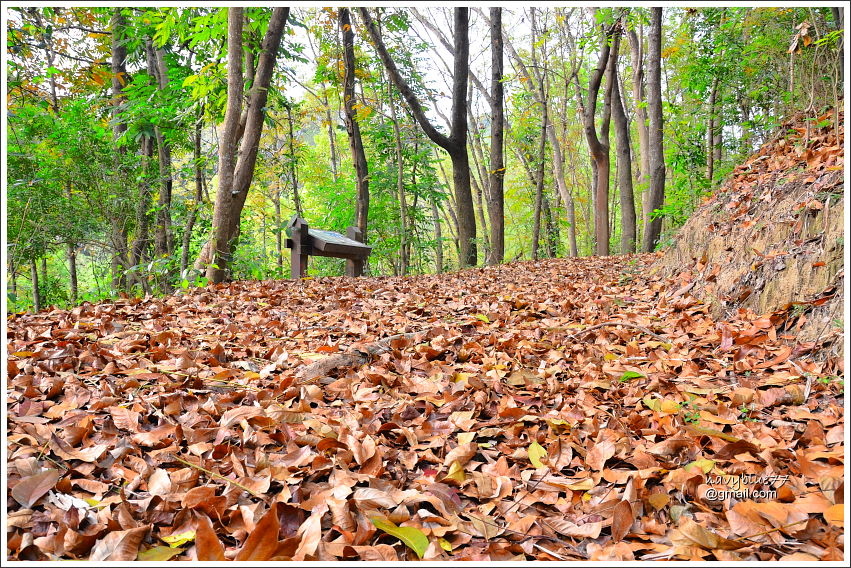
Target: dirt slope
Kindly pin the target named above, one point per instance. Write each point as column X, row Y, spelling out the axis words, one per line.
column 771, row 240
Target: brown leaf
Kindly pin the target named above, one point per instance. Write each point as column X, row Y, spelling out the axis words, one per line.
column 66, row 452
column 462, row 453
column 159, row 483
column 706, row 538
column 569, row 528
column 119, row 545
column 207, row 544
column 622, row 519
column 598, row 455
column 311, row 533
column 31, row 489
column 234, row 415
column 263, row 540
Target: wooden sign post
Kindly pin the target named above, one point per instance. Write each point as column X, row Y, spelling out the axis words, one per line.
column 305, row 242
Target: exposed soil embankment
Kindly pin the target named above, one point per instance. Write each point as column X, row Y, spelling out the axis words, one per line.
column 771, row 240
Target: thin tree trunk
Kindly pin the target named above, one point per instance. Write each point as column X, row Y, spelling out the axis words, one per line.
column 653, row 228
column 199, row 187
column 352, row 126
column 542, row 161
column 36, row 293
column 404, row 260
column 627, row 197
column 118, row 229
column 637, row 54
column 293, row 162
column 480, row 188
column 163, row 239
column 438, row 237
column 332, row 138
column 551, row 233
column 13, row 276
column 496, row 199
column 710, row 131
column 598, row 146
column 142, row 237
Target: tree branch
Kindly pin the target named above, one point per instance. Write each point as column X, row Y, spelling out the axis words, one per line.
column 407, row 93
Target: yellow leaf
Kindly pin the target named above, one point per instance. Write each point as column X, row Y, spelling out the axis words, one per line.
column 610, row 356
column 465, row 437
column 461, row 377
column 251, row 375
column 669, row 406
column 584, row 485
column 158, row 554
column 456, row 472
column 704, row 465
column 175, row 540
column 835, row 515
column 536, row 452
column 483, row 318
column 444, row 544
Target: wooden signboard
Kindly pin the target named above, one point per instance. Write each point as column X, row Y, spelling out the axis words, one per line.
column 305, row 242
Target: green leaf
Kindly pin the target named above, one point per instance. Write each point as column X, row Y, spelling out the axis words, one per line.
column 630, row 375
column 413, row 537
column 536, row 452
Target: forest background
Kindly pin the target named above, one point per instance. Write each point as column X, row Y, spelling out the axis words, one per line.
column 149, row 150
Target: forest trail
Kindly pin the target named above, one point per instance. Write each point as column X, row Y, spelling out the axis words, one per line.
column 513, row 418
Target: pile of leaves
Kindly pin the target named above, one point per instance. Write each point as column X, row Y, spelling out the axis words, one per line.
column 563, row 409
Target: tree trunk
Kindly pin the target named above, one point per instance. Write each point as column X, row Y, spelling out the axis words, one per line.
column 456, row 143
column 118, row 229
column 539, row 186
column 496, row 199
column 293, row 162
column 711, row 122
column 438, row 237
column 598, row 147
column 637, row 54
column 163, row 239
column 36, row 292
column 142, row 237
column 352, row 126
column 404, row 259
column 627, row 197
column 653, row 228
column 480, row 187
column 552, row 233
column 237, row 169
column 196, row 204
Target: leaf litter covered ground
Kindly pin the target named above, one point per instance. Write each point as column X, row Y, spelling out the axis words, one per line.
column 570, row 409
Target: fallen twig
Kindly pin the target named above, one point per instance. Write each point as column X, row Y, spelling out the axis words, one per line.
column 219, row 476
column 351, row 358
